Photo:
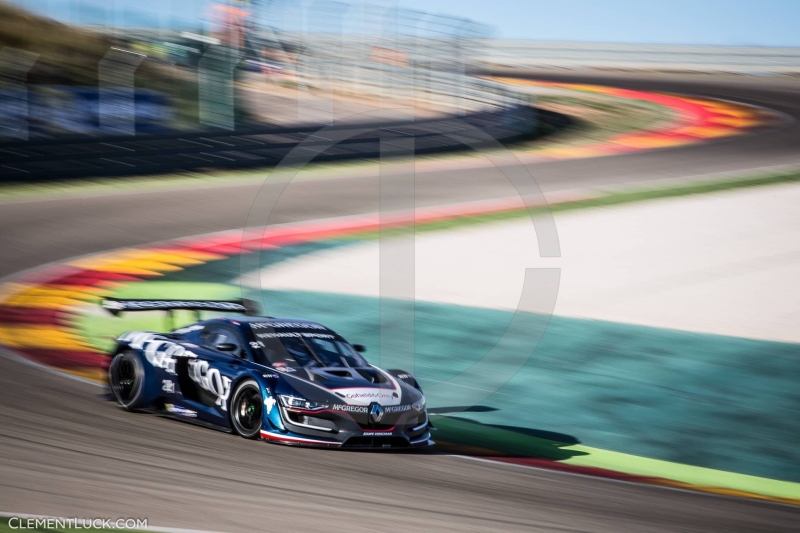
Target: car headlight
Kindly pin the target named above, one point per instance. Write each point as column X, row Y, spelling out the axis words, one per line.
column 419, row 405
column 301, row 403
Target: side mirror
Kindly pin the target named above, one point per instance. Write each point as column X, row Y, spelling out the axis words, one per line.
column 226, row 347
column 360, row 348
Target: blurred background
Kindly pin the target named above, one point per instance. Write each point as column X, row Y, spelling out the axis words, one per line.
column 191, row 64
column 575, row 223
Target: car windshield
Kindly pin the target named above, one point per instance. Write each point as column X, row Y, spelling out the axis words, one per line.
column 295, row 347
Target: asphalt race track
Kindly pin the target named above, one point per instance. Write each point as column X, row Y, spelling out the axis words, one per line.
column 66, row 452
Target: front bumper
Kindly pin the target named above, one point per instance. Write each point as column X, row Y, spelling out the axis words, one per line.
column 337, row 429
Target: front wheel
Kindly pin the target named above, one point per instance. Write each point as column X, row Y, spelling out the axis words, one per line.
column 247, row 409
column 126, row 376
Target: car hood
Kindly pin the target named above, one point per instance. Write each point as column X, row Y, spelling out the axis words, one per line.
column 352, row 386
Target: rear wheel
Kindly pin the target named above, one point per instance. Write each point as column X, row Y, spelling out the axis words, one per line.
column 247, row 409
column 126, row 377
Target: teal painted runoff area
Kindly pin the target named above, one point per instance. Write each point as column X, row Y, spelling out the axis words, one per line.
column 705, row 400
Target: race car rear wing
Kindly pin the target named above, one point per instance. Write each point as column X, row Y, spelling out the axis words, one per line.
column 116, row 306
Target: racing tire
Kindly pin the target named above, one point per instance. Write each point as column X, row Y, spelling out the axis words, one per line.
column 126, row 378
column 247, row 409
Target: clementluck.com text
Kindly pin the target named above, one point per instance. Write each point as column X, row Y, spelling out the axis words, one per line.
column 33, row 523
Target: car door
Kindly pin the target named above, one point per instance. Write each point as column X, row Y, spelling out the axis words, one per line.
column 205, row 380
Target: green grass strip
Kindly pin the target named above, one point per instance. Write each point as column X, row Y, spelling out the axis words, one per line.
column 611, row 199
column 679, row 190
column 463, row 432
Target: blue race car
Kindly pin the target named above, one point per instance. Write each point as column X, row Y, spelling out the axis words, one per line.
column 287, row 381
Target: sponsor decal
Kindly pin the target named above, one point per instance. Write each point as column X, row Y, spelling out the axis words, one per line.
column 376, row 413
column 269, row 376
column 284, row 369
column 180, row 411
column 168, row 385
column 405, row 376
column 188, row 329
column 285, row 334
column 377, row 433
column 211, row 380
column 158, row 351
column 285, row 325
column 363, row 409
column 369, row 395
column 269, row 403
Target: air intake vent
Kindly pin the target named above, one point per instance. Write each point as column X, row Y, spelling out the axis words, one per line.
column 340, row 373
column 312, row 422
column 317, row 377
column 371, row 375
column 376, row 442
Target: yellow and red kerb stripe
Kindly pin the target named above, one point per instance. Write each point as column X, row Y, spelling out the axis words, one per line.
column 39, row 310
column 695, row 120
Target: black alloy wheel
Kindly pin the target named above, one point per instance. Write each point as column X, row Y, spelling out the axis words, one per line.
column 247, row 409
column 126, row 377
